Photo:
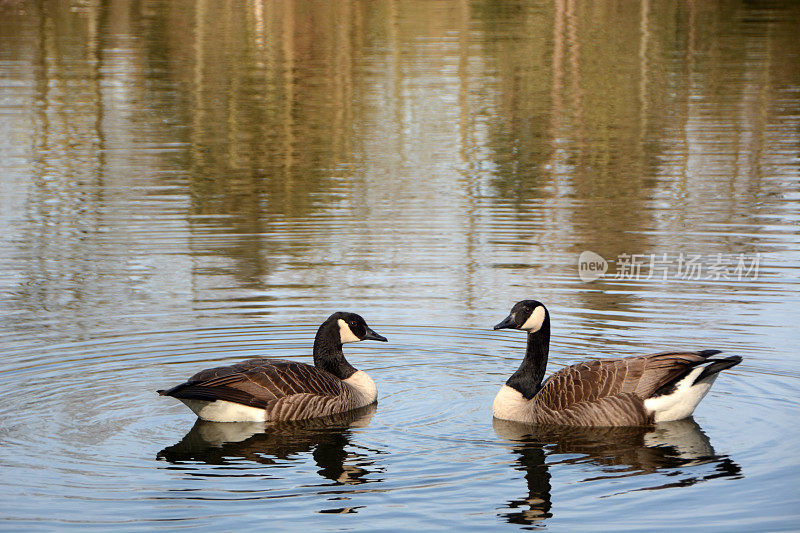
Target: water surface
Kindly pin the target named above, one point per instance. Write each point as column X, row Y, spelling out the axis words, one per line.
column 187, row 184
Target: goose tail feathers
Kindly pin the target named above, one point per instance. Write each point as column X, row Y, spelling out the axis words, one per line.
column 679, row 398
column 717, row 366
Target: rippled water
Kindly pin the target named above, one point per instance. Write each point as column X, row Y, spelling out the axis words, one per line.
column 184, row 185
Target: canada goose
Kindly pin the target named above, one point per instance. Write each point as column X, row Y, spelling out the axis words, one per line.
column 630, row 391
column 275, row 389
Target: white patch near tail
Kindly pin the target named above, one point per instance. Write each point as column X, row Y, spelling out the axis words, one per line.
column 682, row 402
column 364, row 385
column 510, row 404
column 535, row 321
column 224, row 411
column 345, row 333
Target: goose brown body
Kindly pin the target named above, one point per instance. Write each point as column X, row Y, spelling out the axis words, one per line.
column 285, row 390
column 609, row 392
column 277, row 390
column 629, row 391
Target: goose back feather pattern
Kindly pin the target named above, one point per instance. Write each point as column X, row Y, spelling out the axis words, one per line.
column 286, row 390
column 611, row 392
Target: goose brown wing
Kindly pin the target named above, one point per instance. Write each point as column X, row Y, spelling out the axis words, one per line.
column 257, row 383
column 611, row 391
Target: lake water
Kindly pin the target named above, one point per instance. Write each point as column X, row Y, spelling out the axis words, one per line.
column 188, row 184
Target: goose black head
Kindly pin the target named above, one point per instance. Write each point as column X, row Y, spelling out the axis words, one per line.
column 527, row 315
column 353, row 328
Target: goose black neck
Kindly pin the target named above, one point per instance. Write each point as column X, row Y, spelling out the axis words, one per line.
column 328, row 353
column 528, row 377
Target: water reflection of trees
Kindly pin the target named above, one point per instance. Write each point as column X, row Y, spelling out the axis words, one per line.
column 584, row 119
column 673, row 454
column 328, row 440
column 608, row 144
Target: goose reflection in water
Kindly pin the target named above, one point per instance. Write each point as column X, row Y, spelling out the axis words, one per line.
column 671, row 449
column 221, row 443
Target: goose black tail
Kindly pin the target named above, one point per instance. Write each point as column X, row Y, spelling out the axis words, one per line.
column 718, row 366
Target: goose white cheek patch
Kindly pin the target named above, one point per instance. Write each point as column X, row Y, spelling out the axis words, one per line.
column 535, row 321
column 345, row 333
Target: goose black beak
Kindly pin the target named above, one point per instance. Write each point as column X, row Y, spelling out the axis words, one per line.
column 372, row 336
column 509, row 322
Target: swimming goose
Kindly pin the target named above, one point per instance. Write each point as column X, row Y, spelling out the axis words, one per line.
column 630, row 391
column 275, row 389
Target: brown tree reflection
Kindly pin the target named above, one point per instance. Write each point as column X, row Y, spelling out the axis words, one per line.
column 258, row 127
